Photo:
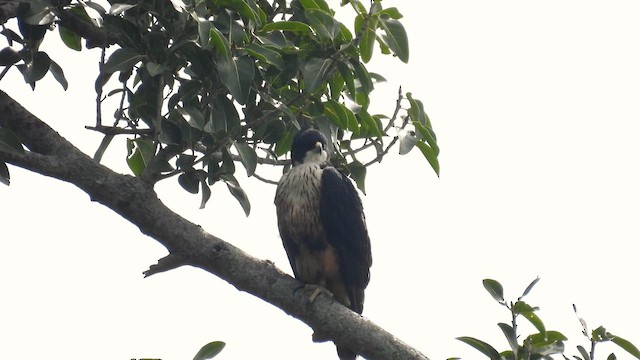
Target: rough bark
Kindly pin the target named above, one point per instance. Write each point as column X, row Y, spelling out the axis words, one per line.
column 134, row 199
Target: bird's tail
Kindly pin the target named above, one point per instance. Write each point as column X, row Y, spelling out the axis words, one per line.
column 346, row 353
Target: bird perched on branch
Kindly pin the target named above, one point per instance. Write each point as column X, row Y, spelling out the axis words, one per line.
column 322, row 225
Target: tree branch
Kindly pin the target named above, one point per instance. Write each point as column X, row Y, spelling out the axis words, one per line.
column 135, row 200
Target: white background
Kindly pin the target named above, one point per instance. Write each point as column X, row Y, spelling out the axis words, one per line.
column 536, row 110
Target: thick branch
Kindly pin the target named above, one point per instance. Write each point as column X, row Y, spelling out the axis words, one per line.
column 135, row 200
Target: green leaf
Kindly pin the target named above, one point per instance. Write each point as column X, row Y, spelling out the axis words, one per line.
column 266, row 55
column 358, row 174
column 219, row 43
column 315, row 72
column 510, row 334
column 337, row 113
column 431, row 156
column 611, row 356
column 140, row 152
column 369, row 122
column 428, row 135
column 368, row 35
column 237, row 75
column 494, row 288
column 548, row 336
column 243, row 8
column 248, row 156
column 39, row 13
column 58, row 74
column 395, row 38
column 391, row 12
column 154, row 68
column 10, row 143
column 210, row 350
column 4, row 173
column 284, row 145
column 93, row 14
column 534, row 320
column 626, row 345
column 238, row 193
column 583, row 352
column 122, row 59
column 70, row 38
column 481, row 346
column 292, row 26
column 325, row 26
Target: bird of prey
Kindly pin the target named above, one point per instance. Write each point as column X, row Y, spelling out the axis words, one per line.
column 322, row 225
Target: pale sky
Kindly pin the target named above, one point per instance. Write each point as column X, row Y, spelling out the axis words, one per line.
column 535, row 108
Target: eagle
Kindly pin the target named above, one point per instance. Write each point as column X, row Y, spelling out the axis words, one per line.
column 322, row 225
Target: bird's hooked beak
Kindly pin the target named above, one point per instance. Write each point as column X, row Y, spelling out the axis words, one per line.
column 318, row 148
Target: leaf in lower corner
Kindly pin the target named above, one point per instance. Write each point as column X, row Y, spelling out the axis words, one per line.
column 481, row 346
column 210, row 350
column 4, row 173
column 626, row 345
column 238, row 193
column 9, row 142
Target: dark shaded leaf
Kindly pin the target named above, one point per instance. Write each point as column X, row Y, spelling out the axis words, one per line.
column 248, row 156
column 58, row 74
column 206, row 194
column 237, row 75
column 189, row 181
column 70, row 38
column 494, row 288
column 481, row 346
column 266, row 55
column 4, row 173
column 210, row 350
column 122, row 60
column 367, row 34
column 10, row 143
column 315, row 72
column 325, row 26
column 238, row 193
column 103, row 147
column 219, row 43
column 192, row 116
column 8, row 56
column 358, row 174
column 395, row 38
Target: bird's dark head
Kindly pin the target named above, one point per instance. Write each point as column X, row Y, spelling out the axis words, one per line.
column 309, row 146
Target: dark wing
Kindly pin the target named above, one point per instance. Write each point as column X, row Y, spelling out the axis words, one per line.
column 344, row 225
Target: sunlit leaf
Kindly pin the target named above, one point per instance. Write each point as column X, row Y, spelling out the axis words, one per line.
column 583, row 352
column 367, row 35
column 219, row 43
column 70, row 38
column 266, row 55
column 534, row 320
column 528, row 289
column 432, row 157
column 626, row 345
column 395, row 38
column 210, row 350
column 481, row 346
column 119, row 8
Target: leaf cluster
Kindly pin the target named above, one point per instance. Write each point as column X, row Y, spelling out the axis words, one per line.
column 199, row 85
column 541, row 345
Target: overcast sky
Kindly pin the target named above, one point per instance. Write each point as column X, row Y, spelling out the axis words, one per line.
column 535, row 105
